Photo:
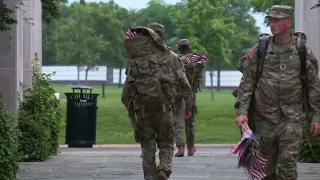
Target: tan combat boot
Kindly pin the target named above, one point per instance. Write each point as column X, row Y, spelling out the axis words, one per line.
column 191, row 151
column 162, row 175
column 180, row 152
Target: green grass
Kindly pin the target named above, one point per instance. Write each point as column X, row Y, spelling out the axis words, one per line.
column 214, row 123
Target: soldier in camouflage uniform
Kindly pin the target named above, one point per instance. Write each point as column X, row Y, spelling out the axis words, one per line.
column 154, row 123
column 278, row 96
column 184, row 54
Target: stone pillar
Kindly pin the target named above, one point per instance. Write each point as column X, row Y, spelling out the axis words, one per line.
column 32, row 38
column 308, row 21
column 38, row 29
column 299, row 16
column 28, row 49
column 11, row 57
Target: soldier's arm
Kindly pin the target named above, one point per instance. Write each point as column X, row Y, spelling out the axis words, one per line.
column 183, row 83
column 248, row 66
column 313, row 84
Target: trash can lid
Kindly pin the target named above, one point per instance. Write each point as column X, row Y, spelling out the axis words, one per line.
column 82, row 87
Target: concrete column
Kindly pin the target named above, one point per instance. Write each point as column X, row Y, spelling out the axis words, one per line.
column 28, row 49
column 32, row 38
column 11, row 57
column 307, row 20
column 38, row 29
column 299, row 16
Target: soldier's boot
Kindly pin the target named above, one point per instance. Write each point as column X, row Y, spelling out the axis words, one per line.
column 191, row 151
column 180, row 152
column 162, row 175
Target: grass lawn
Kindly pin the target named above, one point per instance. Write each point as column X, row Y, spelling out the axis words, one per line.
column 214, row 122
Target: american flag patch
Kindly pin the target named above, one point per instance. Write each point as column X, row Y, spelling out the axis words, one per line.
column 130, row 34
column 196, row 59
column 251, row 54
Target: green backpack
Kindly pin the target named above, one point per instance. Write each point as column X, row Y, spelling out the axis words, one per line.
column 150, row 73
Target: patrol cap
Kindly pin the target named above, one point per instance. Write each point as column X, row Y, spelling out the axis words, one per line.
column 157, row 27
column 183, row 42
column 281, row 11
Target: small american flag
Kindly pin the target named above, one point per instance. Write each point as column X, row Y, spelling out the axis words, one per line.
column 130, row 34
column 196, row 59
column 249, row 157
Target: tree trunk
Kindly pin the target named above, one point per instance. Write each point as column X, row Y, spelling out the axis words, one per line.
column 78, row 67
column 211, row 79
column 86, row 78
column 218, row 77
column 120, row 76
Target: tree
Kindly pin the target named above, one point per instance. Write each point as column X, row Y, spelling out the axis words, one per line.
column 209, row 30
column 247, row 32
column 264, row 6
column 50, row 10
column 205, row 25
column 78, row 43
column 316, row 5
column 106, row 23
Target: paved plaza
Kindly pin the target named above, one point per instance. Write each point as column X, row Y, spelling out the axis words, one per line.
column 112, row 163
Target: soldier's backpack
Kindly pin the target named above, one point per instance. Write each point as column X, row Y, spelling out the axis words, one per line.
column 150, row 73
column 262, row 50
column 194, row 71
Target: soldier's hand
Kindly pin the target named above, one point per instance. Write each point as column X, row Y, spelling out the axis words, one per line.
column 315, row 128
column 240, row 120
column 187, row 115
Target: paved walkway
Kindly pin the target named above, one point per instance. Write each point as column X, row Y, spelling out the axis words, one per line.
column 209, row 163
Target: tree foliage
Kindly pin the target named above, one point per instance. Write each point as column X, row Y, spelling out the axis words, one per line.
column 212, row 28
column 264, row 6
column 77, row 43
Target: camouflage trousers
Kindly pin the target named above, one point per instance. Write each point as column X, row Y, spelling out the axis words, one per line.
column 280, row 143
column 155, row 130
column 189, row 125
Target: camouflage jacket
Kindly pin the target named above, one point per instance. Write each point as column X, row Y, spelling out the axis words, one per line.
column 278, row 91
column 183, row 85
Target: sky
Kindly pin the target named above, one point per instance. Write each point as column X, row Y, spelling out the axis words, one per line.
column 138, row 4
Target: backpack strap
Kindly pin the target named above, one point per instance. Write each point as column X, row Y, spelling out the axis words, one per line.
column 303, row 61
column 262, row 51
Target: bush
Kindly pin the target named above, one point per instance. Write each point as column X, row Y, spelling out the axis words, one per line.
column 309, row 153
column 9, row 136
column 39, row 118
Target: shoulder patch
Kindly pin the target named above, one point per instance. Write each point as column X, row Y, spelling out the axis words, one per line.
column 251, row 55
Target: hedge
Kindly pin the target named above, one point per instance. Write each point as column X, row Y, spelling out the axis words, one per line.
column 39, row 118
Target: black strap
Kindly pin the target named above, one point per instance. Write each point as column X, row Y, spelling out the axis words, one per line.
column 262, row 51
column 303, row 61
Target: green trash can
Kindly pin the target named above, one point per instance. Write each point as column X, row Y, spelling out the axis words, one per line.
column 81, row 117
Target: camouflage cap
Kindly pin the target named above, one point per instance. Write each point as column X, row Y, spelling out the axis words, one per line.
column 157, row 27
column 183, row 42
column 281, row 11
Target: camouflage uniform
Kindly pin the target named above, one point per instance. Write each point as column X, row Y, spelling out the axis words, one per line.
column 278, row 100
column 155, row 127
column 178, row 115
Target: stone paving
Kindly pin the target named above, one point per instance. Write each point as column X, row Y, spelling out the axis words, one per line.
column 209, row 163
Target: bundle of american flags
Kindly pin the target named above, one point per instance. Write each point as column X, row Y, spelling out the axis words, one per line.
column 130, row 34
column 249, row 156
column 196, row 59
